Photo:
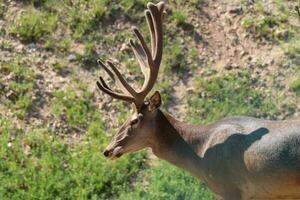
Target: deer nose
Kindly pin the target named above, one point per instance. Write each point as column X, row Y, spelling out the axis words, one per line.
column 106, row 153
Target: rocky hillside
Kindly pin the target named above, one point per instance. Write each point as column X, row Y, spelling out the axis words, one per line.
column 220, row 58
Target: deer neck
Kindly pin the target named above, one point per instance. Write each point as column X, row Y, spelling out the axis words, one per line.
column 170, row 145
column 196, row 136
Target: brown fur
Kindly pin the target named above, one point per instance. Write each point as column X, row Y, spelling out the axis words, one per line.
column 238, row 158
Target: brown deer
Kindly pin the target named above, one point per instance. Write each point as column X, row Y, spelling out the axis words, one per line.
column 237, row 157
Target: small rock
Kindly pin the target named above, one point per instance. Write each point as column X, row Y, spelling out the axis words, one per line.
column 238, row 10
column 125, row 48
column 282, row 34
column 197, row 37
column 187, row 26
column 11, row 95
column 250, row 2
column 19, row 48
column 190, row 90
column 243, row 53
column 32, row 46
column 228, row 66
column 27, row 150
column 286, row 65
column 71, row 57
column 234, row 66
column 2, row 87
column 10, row 76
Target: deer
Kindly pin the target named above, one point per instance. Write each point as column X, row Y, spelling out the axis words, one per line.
column 237, row 157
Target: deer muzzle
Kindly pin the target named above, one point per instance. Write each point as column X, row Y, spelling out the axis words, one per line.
column 113, row 153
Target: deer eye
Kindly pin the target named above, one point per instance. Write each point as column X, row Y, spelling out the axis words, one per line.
column 134, row 121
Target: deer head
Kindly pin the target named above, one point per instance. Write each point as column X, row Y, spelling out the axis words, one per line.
column 138, row 131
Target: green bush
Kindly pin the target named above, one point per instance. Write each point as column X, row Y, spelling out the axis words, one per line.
column 175, row 60
column 179, row 16
column 168, row 183
column 20, row 86
column 83, row 16
column 32, row 25
column 37, row 165
column 230, row 94
column 73, row 108
column 2, row 9
column 295, row 86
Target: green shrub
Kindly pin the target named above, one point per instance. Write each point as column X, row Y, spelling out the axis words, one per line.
column 83, row 16
column 167, row 182
column 37, row 165
column 179, row 16
column 31, row 25
column 230, row 94
column 292, row 48
column 295, row 86
column 75, row 109
column 20, row 86
column 60, row 65
column 61, row 45
column 174, row 60
column 2, row 9
column 89, row 57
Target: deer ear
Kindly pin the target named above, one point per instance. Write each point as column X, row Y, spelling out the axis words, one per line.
column 154, row 101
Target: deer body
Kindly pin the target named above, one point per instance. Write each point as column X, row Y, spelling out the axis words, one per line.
column 239, row 158
column 243, row 157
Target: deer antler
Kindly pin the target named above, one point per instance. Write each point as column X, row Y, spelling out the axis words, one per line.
column 149, row 61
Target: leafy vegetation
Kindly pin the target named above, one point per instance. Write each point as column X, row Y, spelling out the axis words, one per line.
column 39, row 165
column 19, row 86
column 2, row 9
column 179, row 16
column 231, row 94
column 166, row 182
column 275, row 24
column 33, row 24
column 295, row 86
column 54, row 126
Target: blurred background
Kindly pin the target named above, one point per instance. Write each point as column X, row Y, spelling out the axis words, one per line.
column 221, row 58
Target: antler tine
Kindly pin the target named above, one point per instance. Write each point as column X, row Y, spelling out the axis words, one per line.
column 152, row 30
column 118, row 78
column 111, row 75
column 156, row 16
column 149, row 60
column 141, row 57
column 154, row 19
column 144, row 46
column 103, row 87
column 104, row 84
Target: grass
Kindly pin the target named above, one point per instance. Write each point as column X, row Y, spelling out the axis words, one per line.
column 295, row 86
column 6, row 45
column 166, row 182
column 60, row 65
column 276, row 25
column 179, row 16
column 32, row 25
column 84, row 15
column 175, row 60
column 45, row 163
column 89, row 56
column 38, row 165
column 19, row 87
column 231, row 94
column 2, row 9
column 75, row 109
column 60, row 45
